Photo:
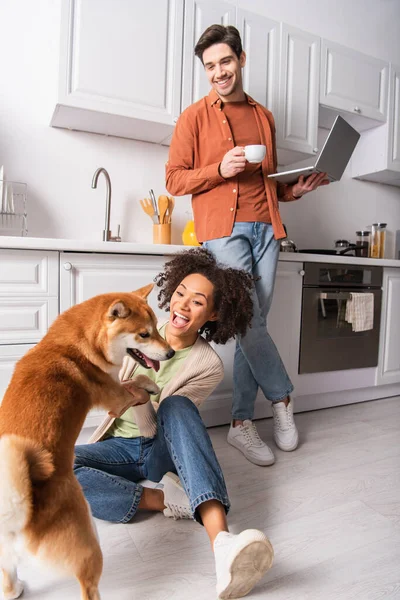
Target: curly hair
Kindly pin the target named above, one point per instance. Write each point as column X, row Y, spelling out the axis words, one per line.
column 232, row 292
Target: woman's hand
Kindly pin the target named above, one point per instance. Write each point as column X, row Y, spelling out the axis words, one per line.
column 139, row 395
column 234, row 162
column 303, row 186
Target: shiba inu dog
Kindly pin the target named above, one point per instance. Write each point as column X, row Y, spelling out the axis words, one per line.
column 72, row 369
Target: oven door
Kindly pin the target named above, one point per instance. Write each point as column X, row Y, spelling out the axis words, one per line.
column 327, row 341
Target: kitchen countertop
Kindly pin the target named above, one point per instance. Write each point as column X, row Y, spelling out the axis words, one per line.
column 31, row 243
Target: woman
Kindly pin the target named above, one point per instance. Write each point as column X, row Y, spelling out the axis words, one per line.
column 166, row 440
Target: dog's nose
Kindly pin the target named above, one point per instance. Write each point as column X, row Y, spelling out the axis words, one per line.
column 170, row 353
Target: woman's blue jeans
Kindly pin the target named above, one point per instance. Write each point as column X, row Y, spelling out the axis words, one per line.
column 253, row 248
column 109, row 471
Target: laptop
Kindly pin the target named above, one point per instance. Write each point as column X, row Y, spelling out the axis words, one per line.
column 333, row 158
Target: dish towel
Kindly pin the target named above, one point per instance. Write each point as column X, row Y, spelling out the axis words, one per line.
column 360, row 311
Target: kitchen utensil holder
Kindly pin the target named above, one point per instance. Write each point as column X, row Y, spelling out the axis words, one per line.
column 162, row 233
column 13, row 208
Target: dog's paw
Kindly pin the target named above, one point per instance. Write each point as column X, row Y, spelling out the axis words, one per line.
column 16, row 592
column 144, row 382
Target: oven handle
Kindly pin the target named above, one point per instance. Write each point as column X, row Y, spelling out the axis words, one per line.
column 335, row 295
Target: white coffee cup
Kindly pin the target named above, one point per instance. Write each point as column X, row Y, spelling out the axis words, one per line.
column 255, row 153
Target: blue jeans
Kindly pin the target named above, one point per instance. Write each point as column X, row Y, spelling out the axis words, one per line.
column 257, row 363
column 109, row 471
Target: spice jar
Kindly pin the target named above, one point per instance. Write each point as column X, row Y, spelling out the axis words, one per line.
column 377, row 244
column 363, row 241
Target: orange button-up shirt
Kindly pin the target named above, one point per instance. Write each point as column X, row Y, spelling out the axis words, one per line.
column 201, row 138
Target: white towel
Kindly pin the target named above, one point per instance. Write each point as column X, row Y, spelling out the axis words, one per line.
column 360, row 311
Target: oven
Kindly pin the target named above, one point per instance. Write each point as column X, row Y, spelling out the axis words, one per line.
column 327, row 341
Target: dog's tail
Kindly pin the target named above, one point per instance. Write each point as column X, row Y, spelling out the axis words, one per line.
column 22, row 463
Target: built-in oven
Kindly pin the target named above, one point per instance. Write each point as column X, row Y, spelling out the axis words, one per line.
column 327, row 341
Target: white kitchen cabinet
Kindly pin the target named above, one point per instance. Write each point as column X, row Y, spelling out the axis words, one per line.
column 200, row 14
column 28, row 303
column 28, row 295
column 389, row 346
column 297, row 118
column 9, row 356
column 83, row 276
column 284, row 317
column 377, row 154
column 261, row 43
column 354, row 84
column 120, row 67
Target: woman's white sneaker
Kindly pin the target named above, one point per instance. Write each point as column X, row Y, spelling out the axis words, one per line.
column 177, row 504
column 241, row 561
column 285, row 431
column 246, row 439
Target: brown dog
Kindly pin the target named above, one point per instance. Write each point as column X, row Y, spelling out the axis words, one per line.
column 73, row 369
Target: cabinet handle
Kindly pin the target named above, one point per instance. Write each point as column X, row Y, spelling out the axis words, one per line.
column 315, row 150
column 357, row 109
column 175, row 119
column 67, row 266
column 302, row 272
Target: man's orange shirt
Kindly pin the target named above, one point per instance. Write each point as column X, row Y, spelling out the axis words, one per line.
column 201, row 138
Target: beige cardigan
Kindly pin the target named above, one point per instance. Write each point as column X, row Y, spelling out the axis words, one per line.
column 200, row 374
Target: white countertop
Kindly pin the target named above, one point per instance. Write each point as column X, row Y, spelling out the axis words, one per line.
column 31, row 243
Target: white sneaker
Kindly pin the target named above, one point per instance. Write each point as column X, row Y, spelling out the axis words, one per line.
column 285, row 431
column 241, row 561
column 175, row 499
column 246, row 439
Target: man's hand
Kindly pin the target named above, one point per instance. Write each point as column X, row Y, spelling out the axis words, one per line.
column 303, row 186
column 233, row 163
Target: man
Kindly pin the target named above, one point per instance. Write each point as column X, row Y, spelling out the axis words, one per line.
column 237, row 218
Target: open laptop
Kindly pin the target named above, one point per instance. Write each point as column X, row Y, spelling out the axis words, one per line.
column 333, row 158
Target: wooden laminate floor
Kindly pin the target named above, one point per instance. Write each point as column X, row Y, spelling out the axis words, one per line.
column 331, row 510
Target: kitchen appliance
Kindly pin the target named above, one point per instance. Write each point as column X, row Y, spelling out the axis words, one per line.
column 327, row 341
column 333, row 158
column 342, row 247
column 287, row 246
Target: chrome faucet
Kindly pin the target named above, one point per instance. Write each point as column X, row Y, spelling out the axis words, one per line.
column 107, row 234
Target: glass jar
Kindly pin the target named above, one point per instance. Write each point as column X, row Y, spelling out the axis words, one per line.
column 378, row 238
column 363, row 241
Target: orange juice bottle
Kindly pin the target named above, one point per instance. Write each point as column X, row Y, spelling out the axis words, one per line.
column 189, row 237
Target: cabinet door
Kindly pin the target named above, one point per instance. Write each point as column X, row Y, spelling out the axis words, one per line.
column 28, row 273
column 394, row 120
column 9, row 356
column 200, row 14
column 284, row 317
column 122, row 58
column 297, row 122
column 83, row 276
column 353, row 82
column 389, row 346
column 261, row 42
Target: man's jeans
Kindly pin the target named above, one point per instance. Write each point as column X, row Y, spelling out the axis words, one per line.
column 109, row 471
column 257, row 363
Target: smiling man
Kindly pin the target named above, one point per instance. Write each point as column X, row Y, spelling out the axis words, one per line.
column 237, row 218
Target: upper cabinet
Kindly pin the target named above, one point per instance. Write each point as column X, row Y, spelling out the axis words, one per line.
column 297, row 117
column 354, row 84
column 120, row 67
column 377, row 155
column 261, row 43
column 129, row 70
column 200, row 14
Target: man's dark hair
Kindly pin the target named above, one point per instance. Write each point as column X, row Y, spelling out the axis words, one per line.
column 232, row 292
column 219, row 34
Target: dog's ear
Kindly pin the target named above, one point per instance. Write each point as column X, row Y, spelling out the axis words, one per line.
column 118, row 310
column 143, row 292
